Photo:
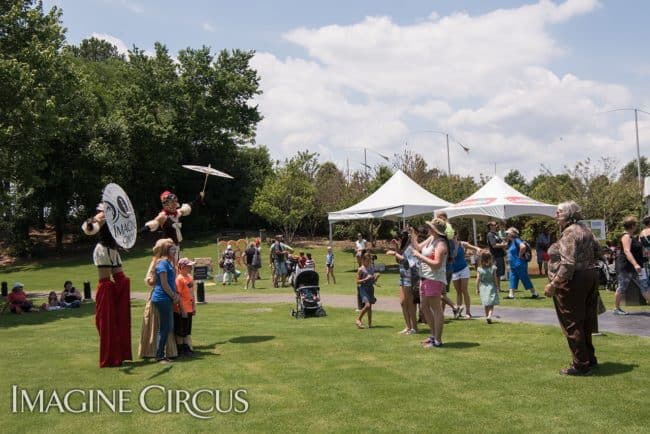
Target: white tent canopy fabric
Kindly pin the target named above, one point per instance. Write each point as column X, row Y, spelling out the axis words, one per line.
column 496, row 199
column 400, row 197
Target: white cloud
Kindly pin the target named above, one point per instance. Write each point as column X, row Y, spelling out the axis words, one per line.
column 134, row 7
column 121, row 46
column 486, row 79
column 208, row 27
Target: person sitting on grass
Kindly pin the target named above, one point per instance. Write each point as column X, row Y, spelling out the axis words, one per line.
column 52, row 303
column 17, row 300
column 70, row 297
column 366, row 279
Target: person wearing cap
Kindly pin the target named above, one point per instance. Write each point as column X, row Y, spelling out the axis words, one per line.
column 185, row 309
column 168, row 219
column 432, row 254
column 518, row 265
column 17, row 300
column 329, row 265
column 113, row 297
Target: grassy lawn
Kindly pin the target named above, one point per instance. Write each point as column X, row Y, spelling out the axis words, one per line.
column 49, row 274
column 323, row 375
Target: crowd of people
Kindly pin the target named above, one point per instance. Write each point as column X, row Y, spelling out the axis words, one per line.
column 430, row 258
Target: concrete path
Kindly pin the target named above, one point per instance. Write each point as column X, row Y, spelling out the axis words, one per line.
column 636, row 323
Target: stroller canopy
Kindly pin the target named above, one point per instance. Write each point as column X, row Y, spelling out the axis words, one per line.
column 306, row 278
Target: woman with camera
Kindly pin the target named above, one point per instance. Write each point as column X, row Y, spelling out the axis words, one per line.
column 409, row 281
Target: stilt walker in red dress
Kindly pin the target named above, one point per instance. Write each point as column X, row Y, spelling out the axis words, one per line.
column 112, row 299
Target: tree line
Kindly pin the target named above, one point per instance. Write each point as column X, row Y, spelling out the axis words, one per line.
column 76, row 117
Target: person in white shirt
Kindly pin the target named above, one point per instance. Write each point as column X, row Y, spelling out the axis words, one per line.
column 360, row 248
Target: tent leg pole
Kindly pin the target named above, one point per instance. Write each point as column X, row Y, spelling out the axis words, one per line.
column 474, row 230
column 330, row 234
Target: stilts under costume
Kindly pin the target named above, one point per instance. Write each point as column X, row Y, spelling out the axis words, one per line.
column 113, row 307
column 168, row 219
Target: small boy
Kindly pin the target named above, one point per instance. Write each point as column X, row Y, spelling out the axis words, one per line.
column 186, row 308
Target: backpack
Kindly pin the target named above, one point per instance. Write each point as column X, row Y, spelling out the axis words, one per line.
column 278, row 253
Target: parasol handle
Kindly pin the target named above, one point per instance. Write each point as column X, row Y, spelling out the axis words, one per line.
column 205, row 183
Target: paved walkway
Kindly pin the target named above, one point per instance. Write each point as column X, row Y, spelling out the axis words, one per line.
column 636, row 323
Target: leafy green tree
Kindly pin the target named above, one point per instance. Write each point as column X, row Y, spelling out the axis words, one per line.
column 286, row 198
column 95, row 50
column 516, row 180
column 629, row 172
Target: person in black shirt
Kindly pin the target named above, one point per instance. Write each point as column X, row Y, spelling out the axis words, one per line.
column 497, row 248
column 629, row 265
column 252, row 258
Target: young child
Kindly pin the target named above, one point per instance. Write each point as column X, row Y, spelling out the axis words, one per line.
column 229, row 270
column 52, row 302
column 309, row 263
column 366, row 279
column 329, row 265
column 186, row 308
column 486, row 278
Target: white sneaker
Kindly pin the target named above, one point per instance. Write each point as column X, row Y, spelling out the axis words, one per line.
column 403, row 332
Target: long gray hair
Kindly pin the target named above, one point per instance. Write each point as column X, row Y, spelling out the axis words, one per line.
column 569, row 211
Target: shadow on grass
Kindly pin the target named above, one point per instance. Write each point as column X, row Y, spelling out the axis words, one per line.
column 461, row 345
column 250, row 339
column 130, row 366
column 163, row 371
column 613, row 368
column 8, row 319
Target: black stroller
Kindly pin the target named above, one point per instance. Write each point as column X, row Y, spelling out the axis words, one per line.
column 307, row 295
column 607, row 269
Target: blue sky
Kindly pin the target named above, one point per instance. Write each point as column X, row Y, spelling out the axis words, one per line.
column 522, row 83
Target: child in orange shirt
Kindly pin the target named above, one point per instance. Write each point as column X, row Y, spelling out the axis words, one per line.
column 186, row 308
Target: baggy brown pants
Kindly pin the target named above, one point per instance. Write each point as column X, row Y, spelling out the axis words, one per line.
column 576, row 306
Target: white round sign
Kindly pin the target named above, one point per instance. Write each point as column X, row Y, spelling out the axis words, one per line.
column 120, row 216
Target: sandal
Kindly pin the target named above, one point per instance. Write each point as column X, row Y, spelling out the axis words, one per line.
column 360, row 325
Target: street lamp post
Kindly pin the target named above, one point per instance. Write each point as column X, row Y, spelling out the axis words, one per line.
column 638, row 148
column 365, row 158
column 465, row 148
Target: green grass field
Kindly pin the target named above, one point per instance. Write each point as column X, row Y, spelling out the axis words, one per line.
column 46, row 275
column 324, row 375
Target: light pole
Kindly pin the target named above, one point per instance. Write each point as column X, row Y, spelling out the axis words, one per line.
column 446, row 134
column 638, row 149
column 365, row 159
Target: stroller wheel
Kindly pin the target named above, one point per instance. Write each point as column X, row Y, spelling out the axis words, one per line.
column 300, row 314
column 321, row 312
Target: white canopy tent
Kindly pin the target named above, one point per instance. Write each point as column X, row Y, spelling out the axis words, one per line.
column 498, row 200
column 399, row 198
